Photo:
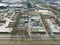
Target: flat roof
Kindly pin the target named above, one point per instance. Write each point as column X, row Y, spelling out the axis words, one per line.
column 15, row 5
column 4, row 27
column 40, row 29
column 1, row 4
column 52, row 26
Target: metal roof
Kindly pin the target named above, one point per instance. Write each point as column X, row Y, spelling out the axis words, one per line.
column 1, row 4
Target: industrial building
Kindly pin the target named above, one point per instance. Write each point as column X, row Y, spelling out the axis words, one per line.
column 51, row 22
column 31, row 23
column 3, row 6
column 14, row 1
column 6, row 20
column 24, row 20
column 29, row 5
column 15, row 6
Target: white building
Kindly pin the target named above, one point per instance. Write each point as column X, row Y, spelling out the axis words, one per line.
column 15, row 5
column 13, row 1
column 5, row 22
column 4, row 26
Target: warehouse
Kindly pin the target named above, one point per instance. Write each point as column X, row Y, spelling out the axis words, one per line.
column 6, row 21
column 32, row 23
column 15, row 6
column 4, row 25
column 36, row 24
column 3, row 6
column 52, row 27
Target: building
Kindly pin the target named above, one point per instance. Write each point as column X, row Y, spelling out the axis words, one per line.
column 7, row 21
column 15, row 6
column 0, row 0
column 3, row 6
column 51, row 22
column 4, row 25
column 30, row 21
column 29, row 5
